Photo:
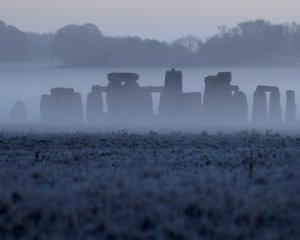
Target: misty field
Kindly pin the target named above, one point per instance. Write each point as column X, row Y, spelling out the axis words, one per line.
column 121, row 185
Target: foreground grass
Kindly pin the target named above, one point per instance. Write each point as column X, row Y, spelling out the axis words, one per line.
column 243, row 185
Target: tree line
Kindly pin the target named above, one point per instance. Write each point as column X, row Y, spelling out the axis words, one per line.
column 250, row 43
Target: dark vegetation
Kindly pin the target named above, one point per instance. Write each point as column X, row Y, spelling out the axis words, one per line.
column 122, row 185
column 40, row 45
column 250, row 43
column 13, row 44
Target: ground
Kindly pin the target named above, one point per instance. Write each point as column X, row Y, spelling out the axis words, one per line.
column 172, row 185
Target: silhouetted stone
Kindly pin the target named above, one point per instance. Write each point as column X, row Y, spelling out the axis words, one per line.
column 94, row 108
column 261, row 112
column 218, row 99
column 62, row 106
column 173, row 82
column 47, row 109
column 122, row 77
column 137, row 101
column 275, row 113
column 113, row 98
column 191, row 107
column 126, row 100
column 269, row 89
column 260, row 108
column 171, row 95
column 18, row 113
column 240, row 107
column 77, row 109
column 290, row 109
column 146, row 103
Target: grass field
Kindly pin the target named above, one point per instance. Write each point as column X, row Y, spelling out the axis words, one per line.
column 121, row 185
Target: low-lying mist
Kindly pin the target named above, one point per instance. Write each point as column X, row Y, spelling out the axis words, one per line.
column 145, row 103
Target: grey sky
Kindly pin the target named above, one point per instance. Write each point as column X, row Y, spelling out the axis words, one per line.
column 160, row 19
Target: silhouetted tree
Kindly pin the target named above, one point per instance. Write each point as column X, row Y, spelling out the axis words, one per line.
column 13, row 44
column 156, row 53
column 120, row 51
column 191, row 43
column 86, row 46
column 250, row 43
column 40, row 45
column 76, row 44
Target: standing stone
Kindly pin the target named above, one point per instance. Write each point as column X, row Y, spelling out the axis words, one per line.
column 240, row 108
column 62, row 106
column 171, row 96
column 260, row 108
column 113, row 98
column 116, row 93
column 145, row 104
column 18, row 113
column 128, row 102
column 217, row 100
column 77, row 109
column 275, row 113
column 47, row 109
column 290, row 110
column 191, row 107
column 94, row 108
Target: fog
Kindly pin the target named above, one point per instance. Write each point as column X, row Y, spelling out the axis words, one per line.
column 27, row 82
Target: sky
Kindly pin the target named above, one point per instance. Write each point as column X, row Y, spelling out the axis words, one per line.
column 159, row 19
